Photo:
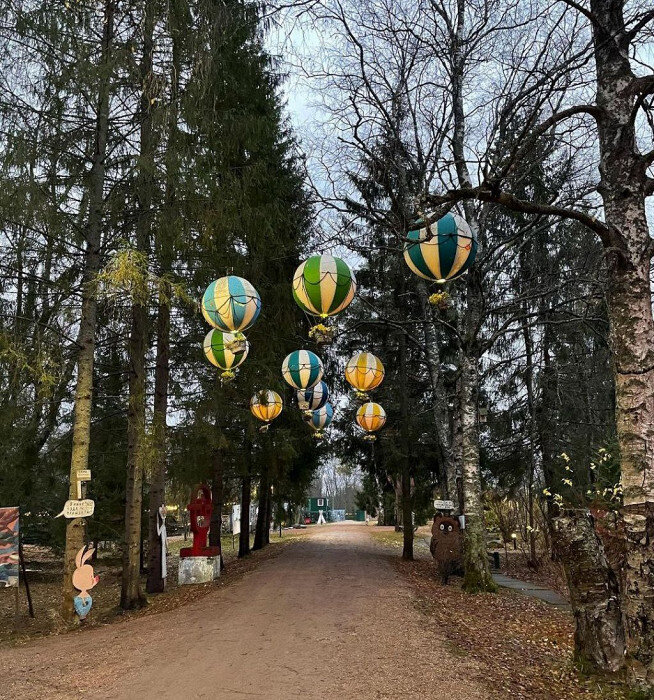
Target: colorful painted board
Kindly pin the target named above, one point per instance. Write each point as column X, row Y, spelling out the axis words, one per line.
column 9, row 546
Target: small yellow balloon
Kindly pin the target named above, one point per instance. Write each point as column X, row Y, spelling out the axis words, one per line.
column 266, row 405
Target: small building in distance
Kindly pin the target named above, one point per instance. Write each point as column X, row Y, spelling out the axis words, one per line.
column 314, row 506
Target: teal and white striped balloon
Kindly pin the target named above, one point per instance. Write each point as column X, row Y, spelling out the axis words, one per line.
column 444, row 252
column 302, row 369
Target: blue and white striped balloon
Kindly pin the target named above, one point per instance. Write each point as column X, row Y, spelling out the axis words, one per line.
column 320, row 419
column 314, row 398
column 231, row 304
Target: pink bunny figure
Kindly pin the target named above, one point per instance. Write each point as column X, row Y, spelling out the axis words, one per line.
column 84, row 581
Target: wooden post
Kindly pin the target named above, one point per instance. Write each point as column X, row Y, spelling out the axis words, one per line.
column 21, row 558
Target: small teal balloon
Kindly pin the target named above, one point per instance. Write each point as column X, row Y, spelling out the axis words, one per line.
column 302, row 369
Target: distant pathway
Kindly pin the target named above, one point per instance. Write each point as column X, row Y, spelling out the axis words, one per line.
column 533, row 590
column 328, row 617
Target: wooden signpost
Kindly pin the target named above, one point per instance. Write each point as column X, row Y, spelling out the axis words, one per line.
column 82, row 475
column 444, row 505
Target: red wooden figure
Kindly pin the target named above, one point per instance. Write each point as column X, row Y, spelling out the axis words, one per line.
column 200, row 509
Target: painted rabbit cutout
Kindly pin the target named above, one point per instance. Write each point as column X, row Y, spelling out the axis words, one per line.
column 84, row 580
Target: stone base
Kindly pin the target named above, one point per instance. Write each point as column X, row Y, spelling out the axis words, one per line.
column 198, row 570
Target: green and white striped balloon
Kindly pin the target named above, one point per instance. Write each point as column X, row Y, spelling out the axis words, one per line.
column 216, row 348
column 323, row 285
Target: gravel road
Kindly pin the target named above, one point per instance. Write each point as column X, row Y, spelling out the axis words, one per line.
column 329, row 617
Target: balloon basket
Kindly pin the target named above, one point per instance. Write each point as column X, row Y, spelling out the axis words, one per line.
column 318, row 435
column 239, row 344
column 440, row 301
column 321, row 334
column 361, row 396
column 264, row 428
column 227, row 375
column 369, row 438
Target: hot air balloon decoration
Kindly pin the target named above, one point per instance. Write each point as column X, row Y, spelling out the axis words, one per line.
column 302, row 369
column 218, row 347
column 266, row 405
column 320, row 419
column 364, row 372
column 323, row 285
column 309, row 400
column 371, row 417
column 443, row 252
column 231, row 304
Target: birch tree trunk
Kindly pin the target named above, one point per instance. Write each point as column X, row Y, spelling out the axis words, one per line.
column 446, row 468
column 477, row 568
column 405, row 478
column 155, row 582
column 75, row 529
column 131, row 595
column 477, row 575
column 623, row 189
column 217, row 496
column 594, row 591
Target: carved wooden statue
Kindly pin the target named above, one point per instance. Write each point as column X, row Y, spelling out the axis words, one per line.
column 200, row 509
column 447, row 546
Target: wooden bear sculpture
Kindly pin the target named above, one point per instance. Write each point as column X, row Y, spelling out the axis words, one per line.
column 447, row 546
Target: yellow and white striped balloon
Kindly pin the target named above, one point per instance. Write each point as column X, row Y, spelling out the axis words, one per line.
column 266, row 405
column 371, row 417
column 364, row 371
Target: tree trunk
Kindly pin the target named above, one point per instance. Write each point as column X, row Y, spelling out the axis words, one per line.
column 477, row 569
column 623, row 182
column 155, row 582
column 407, row 500
column 477, row 576
column 529, row 383
column 246, row 493
column 268, row 517
column 217, row 495
column 594, row 593
column 75, row 529
column 446, row 467
column 262, row 515
column 131, row 595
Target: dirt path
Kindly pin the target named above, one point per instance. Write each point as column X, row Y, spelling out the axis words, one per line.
column 328, row 617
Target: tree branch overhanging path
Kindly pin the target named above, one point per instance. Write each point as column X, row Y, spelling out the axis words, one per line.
column 486, row 87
